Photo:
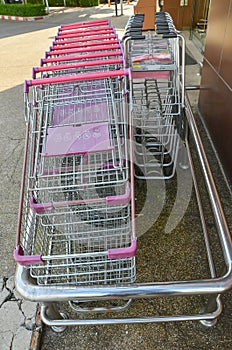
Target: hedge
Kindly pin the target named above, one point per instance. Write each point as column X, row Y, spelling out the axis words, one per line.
column 35, row 8
column 22, row 10
column 60, row 3
column 83, row 3
column 88, row 3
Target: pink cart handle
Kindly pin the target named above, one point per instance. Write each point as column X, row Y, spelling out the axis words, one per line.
column 121, row 253
column 80, row 57
column 26, row 260
column 68, row 51
column 83, row 24
column 84, row 40
column 76, row 77
column 76, row 65
column 85, row 33
column 84, row 27
column 78, row 31
column 86, row 45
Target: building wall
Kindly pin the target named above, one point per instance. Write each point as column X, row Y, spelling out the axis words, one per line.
column 215, row 101
column 181, row 14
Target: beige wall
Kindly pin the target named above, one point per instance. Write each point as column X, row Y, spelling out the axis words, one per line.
column 215, row 100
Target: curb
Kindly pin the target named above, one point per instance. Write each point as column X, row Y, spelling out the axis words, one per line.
column 36, row 18
column 23, row 19
column 37, row 331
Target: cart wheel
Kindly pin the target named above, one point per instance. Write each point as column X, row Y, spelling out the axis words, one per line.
column 60, row 329
column 209, row 323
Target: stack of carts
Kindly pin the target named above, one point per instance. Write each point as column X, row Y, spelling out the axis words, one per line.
column 76, row 230
column 76, row 220
column 158, row 95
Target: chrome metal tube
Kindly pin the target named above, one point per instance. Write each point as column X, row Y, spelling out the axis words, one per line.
column 33, row 292
column 222, row 226
column 29, row 290
column 79, row 322
column 192, row 87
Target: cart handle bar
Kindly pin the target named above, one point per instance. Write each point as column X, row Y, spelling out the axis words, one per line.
column 83, row 27
column 85, row 33
column 67, row 58
column 83, row 24
column 86, row 39
column 67, row 45
column 76, row 77
column 114, row 61
column 106, row 27
column 65, row 51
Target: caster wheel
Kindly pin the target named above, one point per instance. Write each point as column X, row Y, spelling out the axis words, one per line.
column 209, row 323
column 60, row 329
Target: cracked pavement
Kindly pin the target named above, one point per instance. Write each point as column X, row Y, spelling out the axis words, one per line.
column 17, row 318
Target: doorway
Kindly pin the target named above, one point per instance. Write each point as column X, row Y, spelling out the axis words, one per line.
column 199, row 23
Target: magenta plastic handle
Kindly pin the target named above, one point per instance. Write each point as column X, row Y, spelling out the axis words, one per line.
column 67, row 51
column 120, row 199
column 78, row 31
column 40, row 207
column 77, row 77
column 90, row 39
column 61, row 46
column 122, row 253
column 85, row 33
column 83, row 28
column 76, row 65
column 26, row 260
column 81, row 57
column 84, row 24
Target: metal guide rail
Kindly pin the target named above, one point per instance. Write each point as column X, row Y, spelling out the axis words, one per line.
column 76, row 238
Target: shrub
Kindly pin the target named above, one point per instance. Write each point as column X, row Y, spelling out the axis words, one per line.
column 36, row 8
column 34, row 2
column 88, row 3
column 22, row 10
column 69, row 3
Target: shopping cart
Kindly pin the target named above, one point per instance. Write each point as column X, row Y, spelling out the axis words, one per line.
column 76, row 232
column 82, row 53
column 77, row 206
column 158, row 95
column 78, row 169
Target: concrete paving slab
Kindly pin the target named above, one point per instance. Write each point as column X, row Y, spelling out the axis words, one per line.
column 17, row 318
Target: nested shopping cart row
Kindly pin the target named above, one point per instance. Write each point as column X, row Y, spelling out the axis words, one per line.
column 77, row 208
column 78, row 49
column 158, row 94
column 76, row 228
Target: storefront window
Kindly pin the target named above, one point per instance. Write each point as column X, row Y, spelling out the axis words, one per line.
column 199, row 23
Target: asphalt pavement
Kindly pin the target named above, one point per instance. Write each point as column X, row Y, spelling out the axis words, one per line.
column 22, row 46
